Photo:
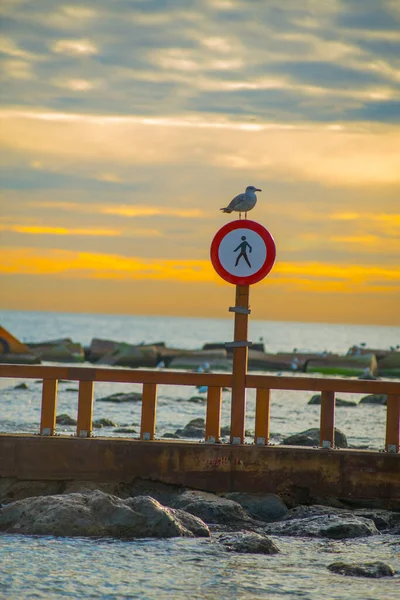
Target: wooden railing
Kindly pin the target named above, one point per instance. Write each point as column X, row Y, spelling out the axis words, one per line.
column 215, row 382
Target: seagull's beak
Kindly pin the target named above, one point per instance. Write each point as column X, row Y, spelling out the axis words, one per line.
column 258, row 190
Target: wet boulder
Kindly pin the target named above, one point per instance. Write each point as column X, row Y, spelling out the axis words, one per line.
column 122, row 397
column 385, row 520
column 21, row 386
column 211, row 509
column 316, row 399
column 333, row 526
column 248, row 542
column 98, row 514
column 310, row 437
column 375, row 569
column 374, row 399
column 196, row 428
column 65, row 419
column 263, row 507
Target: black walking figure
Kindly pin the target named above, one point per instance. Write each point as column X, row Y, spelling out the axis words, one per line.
column 243, row 251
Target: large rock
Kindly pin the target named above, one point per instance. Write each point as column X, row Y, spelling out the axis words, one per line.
column 249, row 542
column 122, row 397
column 65, row 419
column 385, row 520
column 263, row 507
column 333, row 526
column 211, row 508
column 196, row 428
column 310, row 437
column 63, row 350
column 98, row 514
column 374, row 399
column 316, row 399
column 368, row 569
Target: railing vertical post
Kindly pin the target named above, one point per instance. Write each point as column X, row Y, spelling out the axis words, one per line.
column 327, row 423
column 261, row 436
column 213, row 416
column 49, row 404
column 85, row 409
column 148, row 420
column 393, row 423
column 239, row 369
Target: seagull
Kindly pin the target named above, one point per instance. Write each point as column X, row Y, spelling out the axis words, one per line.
column 243, row 202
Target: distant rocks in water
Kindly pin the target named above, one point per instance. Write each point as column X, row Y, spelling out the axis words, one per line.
column 97, row 514
column 197, row 399
column 122, row 397
column 389, row 366
column 374, row 399
column 99, row 423
column 106, row 423
column 316, row 399
column 62, row 350
column 374, row 570
column 196, row 428
column 248, row 542
column 349, row 365
column 196, row 359
column 65, row 419
column 21, row 386
column 310, row 437
column 129, row 355
column 125, row 430
column 171, row 436
column 359, row 361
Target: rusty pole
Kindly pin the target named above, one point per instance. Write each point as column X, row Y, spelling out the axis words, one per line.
column 239, row 371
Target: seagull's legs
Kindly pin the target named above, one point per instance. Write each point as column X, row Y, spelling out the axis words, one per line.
column 240, row 215
column 245, row 215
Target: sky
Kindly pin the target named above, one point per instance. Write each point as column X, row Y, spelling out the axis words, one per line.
column 127, row 124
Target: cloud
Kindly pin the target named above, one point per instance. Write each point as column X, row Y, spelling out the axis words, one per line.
column 310, row 152
column 63, row 231
column 42, row 230
column 124, row 210
column 74, row 47
column 313, row 276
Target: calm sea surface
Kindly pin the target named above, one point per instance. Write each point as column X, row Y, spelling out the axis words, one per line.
column 45, row 567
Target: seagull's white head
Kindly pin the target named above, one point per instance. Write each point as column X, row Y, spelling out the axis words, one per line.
column 251, row 188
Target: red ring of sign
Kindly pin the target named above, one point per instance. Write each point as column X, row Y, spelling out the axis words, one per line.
column 270, row 247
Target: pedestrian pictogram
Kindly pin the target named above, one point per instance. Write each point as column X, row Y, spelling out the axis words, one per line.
column 243, row 252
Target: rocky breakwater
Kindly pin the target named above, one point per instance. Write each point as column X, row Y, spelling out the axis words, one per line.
column 237, row 522
column 96, row 514
column 359, row 361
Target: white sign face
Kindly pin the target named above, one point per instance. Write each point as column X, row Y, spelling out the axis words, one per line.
column 242, row 252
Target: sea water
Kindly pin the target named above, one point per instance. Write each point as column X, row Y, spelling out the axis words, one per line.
column 48, row 567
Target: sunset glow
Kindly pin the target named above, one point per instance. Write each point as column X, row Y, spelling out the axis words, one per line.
column 123, row 134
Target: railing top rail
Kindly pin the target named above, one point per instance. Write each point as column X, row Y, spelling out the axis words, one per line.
column 276, row 382
column 322, row 384
column 116, row 375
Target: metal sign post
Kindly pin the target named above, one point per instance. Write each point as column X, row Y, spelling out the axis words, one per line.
column 240, row 359
column 242, row 253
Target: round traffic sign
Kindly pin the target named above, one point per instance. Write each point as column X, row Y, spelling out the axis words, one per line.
column 243, row 252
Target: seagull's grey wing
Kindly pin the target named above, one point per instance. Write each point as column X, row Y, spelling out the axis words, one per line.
column 236, row 201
